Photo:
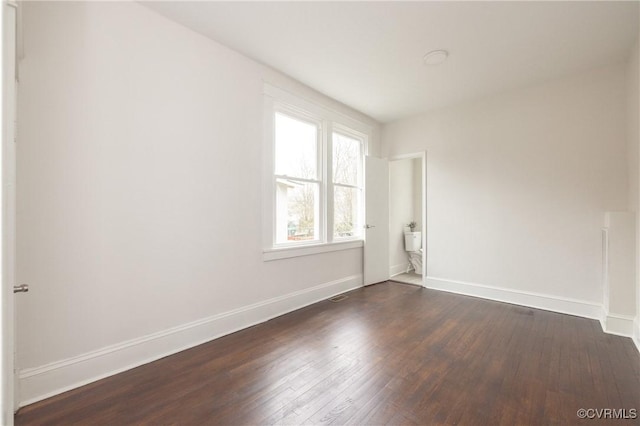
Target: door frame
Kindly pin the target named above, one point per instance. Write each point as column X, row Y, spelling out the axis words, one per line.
column 11, row 52
column 423, row 156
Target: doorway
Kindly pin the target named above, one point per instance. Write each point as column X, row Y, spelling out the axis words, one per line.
column 407, row 219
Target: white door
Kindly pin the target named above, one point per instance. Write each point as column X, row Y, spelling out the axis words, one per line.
column 9, row 86
column 376, row 245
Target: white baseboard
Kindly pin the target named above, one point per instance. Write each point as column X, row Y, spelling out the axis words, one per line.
column 398, row 269
column 546, row 302
column 60, row 376
column 620, row 325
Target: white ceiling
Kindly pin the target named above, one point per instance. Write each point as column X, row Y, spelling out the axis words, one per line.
column 368, row 55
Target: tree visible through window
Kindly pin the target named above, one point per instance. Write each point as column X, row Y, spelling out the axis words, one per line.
column 297, row 183
column 305, row 202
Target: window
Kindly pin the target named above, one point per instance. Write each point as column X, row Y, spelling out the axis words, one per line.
column 297, row 180
column 347, row 185
column 315, row 163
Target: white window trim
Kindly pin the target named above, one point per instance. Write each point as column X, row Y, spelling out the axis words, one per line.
column 279, row 100
column 297, row 251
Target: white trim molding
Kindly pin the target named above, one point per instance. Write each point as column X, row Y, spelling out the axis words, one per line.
column 289, row 252
column 327, row 123
column 316, row 106
column 636, row 331
column 48, row 380
column 620, row 325
column 399, row 269
column 546, row 302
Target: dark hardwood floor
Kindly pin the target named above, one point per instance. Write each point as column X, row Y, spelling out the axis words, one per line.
column 388, row 354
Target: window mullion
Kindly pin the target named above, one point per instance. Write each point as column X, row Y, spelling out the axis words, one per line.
column 321, row 177
column 329, row 180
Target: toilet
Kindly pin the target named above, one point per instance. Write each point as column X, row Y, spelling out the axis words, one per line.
column 413, row 246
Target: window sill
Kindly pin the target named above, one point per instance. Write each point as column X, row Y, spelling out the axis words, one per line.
column 288, row 252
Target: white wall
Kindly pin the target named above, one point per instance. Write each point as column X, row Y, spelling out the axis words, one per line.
column 517, row 185
column 139, row 194
column 633, row 141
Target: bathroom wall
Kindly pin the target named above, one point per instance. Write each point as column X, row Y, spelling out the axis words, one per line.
column 404, row 206
column 139, row 195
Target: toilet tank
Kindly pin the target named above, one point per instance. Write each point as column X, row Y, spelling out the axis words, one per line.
column 412, row 241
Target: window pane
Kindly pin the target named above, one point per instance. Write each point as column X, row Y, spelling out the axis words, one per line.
column 296, row 211
column 345, row 209
column 346, row 159
column 296, row 147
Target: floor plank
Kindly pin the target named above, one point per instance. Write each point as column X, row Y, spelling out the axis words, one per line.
column 388, row 354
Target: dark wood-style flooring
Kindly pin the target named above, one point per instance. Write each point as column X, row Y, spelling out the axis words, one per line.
column 388, row 354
